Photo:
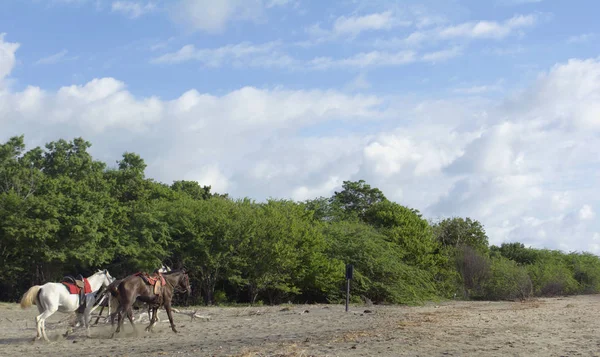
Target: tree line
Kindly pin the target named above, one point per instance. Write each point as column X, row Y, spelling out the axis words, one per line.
column 64, row 213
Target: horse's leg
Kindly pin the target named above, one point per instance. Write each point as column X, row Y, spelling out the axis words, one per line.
column 86, row 318
column 153, row 319
column 111, row 314
column 130, row 317
column 170, row 314
column 38, row 325
column 41, row 320
column 120, row 319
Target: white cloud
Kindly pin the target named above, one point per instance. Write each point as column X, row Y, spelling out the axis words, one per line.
column 461, row 33
column 56, row 58
column 442, row 55
column 356, row 24
column 582, row 38
column 209, row 175
column 525, row 166
column 242, row 54
column 352, row 26
column 364, row 59
column 488, row 29
column 271, row 55
column 214, row 16
column 360, row 82
column 7, row 56
column 479, row 89
column 132, row 9
column 586, row 212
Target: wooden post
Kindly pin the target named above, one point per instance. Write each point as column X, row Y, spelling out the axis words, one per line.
column 347, row 293
column 349, row 271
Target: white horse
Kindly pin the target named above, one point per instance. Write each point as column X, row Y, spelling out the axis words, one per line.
column 52, row 297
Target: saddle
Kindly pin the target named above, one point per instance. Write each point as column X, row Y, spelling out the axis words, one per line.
column 78, row 286
column 157, row 280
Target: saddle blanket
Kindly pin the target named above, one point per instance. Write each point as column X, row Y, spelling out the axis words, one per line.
column 74, row 289
column 152, row 279
column 157, row 281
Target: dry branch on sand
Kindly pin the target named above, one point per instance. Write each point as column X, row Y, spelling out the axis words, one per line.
column 192, row 314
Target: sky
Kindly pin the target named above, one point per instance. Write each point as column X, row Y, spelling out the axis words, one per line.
column 481, row 109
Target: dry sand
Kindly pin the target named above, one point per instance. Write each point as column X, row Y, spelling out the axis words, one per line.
column 544, row 327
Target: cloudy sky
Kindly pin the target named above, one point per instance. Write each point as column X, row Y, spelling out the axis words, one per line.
column 486, row 109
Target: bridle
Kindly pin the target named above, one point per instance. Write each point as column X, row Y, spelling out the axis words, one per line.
column 186, row 282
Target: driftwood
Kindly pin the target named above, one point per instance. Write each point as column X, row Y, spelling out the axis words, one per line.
column 192, row 314
column 143, row 316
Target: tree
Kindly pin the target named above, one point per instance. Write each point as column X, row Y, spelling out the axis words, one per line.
column 356, row 198
column 456, row 232
column 405, row 227
column 283, row 240
column 210, row 235
column 380, row 274
column 516, row 252
column 193, row 189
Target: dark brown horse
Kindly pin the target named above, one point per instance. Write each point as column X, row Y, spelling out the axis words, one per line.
column 112, row 293
column 134, row 288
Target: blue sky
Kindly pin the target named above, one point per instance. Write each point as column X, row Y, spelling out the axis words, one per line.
column 486, row 109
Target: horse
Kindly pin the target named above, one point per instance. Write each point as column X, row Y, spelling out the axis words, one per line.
column 134, row 288
column 112, row 293
column 52, row 297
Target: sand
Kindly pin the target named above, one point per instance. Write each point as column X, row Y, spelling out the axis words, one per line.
column 543, row 327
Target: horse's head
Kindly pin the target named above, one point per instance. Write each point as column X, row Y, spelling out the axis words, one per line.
column 106, row 277
column 183, row 283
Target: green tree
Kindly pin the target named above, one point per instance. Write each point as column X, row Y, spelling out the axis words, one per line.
column 455, row 232
column 380, row 273
column 192, row 189
column 356, row 198
column 210, row 234
column 516, row 252
column 405, row 227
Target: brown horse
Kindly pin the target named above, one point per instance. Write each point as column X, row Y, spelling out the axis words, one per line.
column 134, row 288
column 112, row 293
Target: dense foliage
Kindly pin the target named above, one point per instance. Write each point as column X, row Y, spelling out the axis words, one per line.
column 64, row 213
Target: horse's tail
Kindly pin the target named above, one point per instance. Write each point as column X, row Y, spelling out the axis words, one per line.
column 30, row 296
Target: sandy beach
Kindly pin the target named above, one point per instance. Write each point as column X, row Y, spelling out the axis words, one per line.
column 566, row 326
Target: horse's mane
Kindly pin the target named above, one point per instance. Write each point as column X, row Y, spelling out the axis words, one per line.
column 174, row 271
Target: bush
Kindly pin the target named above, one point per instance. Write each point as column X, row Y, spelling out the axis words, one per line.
column 508, row 281
column 220, row 297
column 379, row 272
column 551, row 276
column 474, row 268
column 586, row 271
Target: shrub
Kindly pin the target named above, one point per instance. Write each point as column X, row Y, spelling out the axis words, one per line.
column 474, row 268
column 586, row 271
column 508, row 281
column 551, row 276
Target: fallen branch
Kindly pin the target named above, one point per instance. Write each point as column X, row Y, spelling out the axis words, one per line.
column 192, row 314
